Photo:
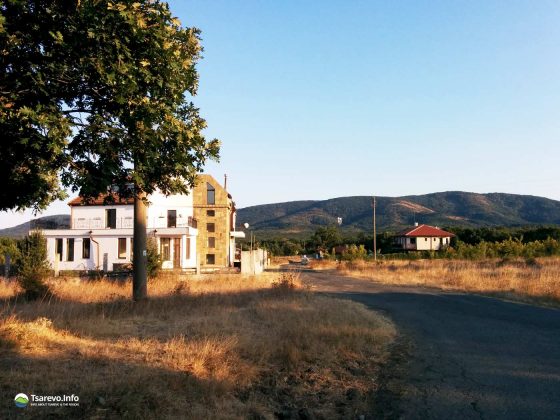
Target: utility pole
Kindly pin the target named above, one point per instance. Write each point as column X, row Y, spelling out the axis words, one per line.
column 374, row 231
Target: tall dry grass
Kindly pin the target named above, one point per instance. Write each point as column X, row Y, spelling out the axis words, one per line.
column 531, row 280
column 221, row 347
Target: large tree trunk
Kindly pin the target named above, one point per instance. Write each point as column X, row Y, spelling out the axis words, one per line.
column 139, row 276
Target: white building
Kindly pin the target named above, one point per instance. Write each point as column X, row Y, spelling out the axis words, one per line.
column 423, row 238
column 100, row 235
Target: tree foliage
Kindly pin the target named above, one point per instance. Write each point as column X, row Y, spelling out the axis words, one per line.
column 96, row 93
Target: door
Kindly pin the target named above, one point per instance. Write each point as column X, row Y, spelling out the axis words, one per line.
column 177, row 253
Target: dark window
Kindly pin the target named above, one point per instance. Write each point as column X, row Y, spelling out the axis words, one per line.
column 171, row 218
column 70, row 249
column 111, row 218
column 210, row 194
column 122, row 248
column 210, row 259
column 210, row 213
column 412, row 241
column 165, row 249
column 58, row 249
column 86, row 246
column 211, row 242
column 210, row 227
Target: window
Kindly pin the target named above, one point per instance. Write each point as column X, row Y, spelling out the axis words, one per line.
column 210, row 259
column 70, row 249
column 165, row 249
column 86, row 246
column 111, row 218
column 58, row 249
column 210, row 213
column 210, row 227
column 211, row 242
column 210, row 194
column 425, row 239
column 122, row 248
column 171, row 218
column 413, row 241
column 188, row 250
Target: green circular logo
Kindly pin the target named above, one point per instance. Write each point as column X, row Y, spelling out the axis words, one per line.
column 21, row 400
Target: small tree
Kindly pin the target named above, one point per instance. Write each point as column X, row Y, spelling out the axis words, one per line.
column 354, row 252
column 153, row 258
column 32, row 267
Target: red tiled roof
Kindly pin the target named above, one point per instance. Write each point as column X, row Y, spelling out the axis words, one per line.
column 425, row 231
column 100, row 201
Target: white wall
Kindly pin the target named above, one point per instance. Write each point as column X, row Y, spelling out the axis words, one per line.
column 431, row 244
column 159, row 204
column 108, row 244
column 94, row 217
column 254, row 262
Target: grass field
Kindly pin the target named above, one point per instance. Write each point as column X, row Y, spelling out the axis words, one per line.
column 534, row 280
column 223, row 347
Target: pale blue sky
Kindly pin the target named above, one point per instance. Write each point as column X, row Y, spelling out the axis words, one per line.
column 321, row 99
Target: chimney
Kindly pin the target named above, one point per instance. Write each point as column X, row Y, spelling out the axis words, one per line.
column 415, row 224
column 225, row 182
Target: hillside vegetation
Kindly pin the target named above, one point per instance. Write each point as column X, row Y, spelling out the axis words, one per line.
column 454, row 208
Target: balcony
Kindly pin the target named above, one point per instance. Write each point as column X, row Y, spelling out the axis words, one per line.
column 128, row 223
column 179, row 222
column 99, row 223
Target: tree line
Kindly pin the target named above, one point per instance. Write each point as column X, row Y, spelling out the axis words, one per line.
column 484, row 242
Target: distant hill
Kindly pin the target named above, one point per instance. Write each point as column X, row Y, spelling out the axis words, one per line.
column 300, row 218
column 59, row 221
column 452, row 208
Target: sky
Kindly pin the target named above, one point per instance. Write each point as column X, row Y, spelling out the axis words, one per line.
column 320, row 99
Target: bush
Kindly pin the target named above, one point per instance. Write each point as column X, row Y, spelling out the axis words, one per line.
column 32, row 267
column 353, row 253
column 153, row 258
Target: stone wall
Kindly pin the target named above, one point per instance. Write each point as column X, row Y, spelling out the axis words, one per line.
column 220, row 218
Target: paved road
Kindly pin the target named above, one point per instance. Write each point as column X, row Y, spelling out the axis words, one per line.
column 462, row 356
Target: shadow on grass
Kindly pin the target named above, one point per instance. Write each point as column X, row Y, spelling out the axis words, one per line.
column 120, row 390
column 111, row 384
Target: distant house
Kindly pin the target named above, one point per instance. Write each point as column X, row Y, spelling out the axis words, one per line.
column 423, row 238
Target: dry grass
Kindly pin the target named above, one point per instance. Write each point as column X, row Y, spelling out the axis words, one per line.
column 535, row 280
column 223, row 347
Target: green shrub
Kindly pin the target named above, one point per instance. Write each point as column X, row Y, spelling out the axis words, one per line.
column 32, row 267
column 153, row 258
column 353, row 253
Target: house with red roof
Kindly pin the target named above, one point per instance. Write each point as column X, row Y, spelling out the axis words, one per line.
column 423, row 238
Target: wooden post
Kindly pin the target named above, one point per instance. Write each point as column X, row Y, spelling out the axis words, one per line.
column 140, row 260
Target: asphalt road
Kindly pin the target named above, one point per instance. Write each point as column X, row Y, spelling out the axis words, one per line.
column 461, row 356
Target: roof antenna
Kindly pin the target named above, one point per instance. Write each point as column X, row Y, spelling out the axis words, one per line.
column 225, row 182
